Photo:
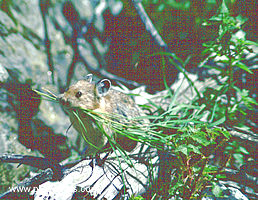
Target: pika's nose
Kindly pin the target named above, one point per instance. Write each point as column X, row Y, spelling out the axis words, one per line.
column 63, row 101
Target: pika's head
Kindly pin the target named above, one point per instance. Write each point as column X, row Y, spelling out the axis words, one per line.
column 85, row 94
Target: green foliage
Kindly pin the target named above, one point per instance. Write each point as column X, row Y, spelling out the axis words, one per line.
column 193, row 146
column 226, row 104
column 10, row 175
column 136, row 198
column 229, row 49
column 228, row 101
column 238, row 152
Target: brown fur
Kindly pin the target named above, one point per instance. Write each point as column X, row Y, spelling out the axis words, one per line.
column 113, row 103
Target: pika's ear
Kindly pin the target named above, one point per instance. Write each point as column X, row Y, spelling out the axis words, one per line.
column 102, row 87
column 89, row 78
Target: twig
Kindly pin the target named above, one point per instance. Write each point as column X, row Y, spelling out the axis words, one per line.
column 33, row 182
column 38, row 162
column 43, row 9
column 152, row 30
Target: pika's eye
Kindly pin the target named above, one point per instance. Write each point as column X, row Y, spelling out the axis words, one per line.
column 78, row 94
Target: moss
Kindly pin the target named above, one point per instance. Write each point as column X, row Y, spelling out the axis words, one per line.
column 11, row 175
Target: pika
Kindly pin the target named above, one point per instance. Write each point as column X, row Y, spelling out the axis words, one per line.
column 99, row 97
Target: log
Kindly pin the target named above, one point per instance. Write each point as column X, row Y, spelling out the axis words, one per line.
column 115, row 177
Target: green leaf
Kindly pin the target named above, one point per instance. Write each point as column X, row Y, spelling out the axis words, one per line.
column 206, row 23
column 239, row 158
column 200, row 139
column 226, row 133
column 182, row 148
column 218, row 122
column 243, row 67
column 241, row 20
column 210, row 168
column 230, row 148
column 221, row 176
column 196, row 168
column 243, row 150
column 216, row 18
column 195, row 149
column 249, row 42
column 251, row 100
column 224, row 9
column 161, row 7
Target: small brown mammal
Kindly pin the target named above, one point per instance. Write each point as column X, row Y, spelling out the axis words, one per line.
column 102, row 98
